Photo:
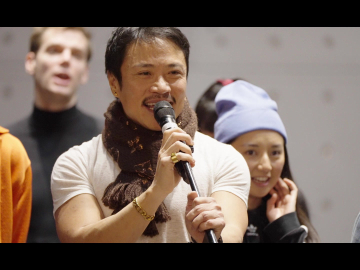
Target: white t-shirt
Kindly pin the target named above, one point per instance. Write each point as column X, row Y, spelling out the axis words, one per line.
column 89, row 168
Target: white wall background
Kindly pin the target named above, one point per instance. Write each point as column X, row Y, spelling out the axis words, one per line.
column 312, row 73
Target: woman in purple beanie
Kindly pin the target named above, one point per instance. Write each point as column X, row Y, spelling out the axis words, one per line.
column 249, row 121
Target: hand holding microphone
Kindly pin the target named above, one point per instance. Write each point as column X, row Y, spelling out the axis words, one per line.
column 165, row 116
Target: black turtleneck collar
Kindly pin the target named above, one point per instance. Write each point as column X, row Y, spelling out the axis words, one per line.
column 49, row 121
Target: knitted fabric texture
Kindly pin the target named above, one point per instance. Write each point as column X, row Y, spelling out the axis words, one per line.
column 243, row 107
column 135, row 149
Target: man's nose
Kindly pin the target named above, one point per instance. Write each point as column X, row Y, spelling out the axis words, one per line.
column 65, row 56
column 160, row 86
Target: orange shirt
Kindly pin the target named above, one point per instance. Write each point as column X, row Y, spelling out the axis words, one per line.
column 15, row 189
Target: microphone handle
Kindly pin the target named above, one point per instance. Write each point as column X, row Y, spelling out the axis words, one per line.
column 186, row 172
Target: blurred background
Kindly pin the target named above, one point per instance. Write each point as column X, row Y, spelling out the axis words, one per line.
column 312, row 73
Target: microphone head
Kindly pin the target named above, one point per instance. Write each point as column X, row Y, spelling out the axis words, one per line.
column 163, row 109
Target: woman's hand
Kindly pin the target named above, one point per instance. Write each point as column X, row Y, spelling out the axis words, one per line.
column 283, row 199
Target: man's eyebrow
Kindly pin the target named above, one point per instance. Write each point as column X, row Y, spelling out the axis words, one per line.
column 151, row 65
column 143, row 65
column 74, row 47
column 175, row 65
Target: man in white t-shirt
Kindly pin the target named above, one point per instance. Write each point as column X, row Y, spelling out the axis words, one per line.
column 123, row 185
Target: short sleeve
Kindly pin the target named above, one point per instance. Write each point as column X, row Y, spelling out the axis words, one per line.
column 70, row 177
column 233, row 173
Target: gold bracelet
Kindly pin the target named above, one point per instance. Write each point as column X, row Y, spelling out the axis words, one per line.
column 141, row 211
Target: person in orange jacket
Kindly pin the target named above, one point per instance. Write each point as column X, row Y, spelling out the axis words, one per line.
column 15, row 189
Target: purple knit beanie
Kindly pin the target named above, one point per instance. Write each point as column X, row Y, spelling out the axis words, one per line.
column 243, row 107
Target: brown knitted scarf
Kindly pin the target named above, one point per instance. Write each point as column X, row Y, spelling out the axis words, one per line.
column 135, row 149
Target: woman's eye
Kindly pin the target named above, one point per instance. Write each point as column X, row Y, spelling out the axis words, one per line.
column 276, row 153
column 250, row 152
column 175, row 72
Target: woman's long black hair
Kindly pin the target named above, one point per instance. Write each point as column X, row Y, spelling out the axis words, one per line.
column 301, row 205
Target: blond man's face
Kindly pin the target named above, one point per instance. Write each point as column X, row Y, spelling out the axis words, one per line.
column 60, row 65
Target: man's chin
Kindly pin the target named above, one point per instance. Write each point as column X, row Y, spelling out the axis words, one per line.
column 151, row 125
column 62, row 90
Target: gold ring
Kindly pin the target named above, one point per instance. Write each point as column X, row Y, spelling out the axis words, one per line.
column 173, row 158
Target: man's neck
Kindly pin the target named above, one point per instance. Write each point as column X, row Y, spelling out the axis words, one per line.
column 54, row 103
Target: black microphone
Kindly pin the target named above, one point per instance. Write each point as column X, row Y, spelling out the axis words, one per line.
column 165, row 116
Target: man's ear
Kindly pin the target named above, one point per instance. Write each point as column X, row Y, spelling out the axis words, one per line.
column 114, row 84
column 85, row 75
column 30, row 63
